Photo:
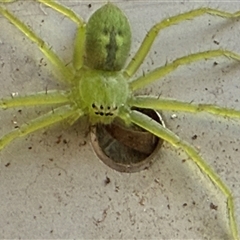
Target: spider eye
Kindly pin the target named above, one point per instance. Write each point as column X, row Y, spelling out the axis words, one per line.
column 104, row 111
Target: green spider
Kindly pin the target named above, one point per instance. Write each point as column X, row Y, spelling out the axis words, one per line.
column 101, row 88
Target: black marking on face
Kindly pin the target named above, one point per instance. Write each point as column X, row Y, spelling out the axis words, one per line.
column 104, row 111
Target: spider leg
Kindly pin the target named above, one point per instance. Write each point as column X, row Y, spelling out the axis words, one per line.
column 80, row 34
column 152, row 34
column 7, row 1
column 164, row 70
column 40, row 98
column 155, row 128
column 65, row 71
column 175, row 105
column 56, row 115
column 63, row 10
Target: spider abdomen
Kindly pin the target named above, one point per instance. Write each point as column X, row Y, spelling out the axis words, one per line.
column 102, row 94
column 108, row 39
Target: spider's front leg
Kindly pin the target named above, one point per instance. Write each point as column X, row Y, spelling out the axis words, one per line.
column 175, row 105
column 63, row 113
column 154, row 31
column 157, row 129
column 52, row 97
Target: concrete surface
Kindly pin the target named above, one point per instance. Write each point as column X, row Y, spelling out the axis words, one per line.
column 53, row 186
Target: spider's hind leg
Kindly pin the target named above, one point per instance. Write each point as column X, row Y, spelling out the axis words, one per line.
column 63, row 10
column 78, row 52
column 66, row 72
column 162, row 71
column 143, row 50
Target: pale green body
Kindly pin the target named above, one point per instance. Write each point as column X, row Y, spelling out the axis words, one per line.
column 97, row 96
column 101, row 88
column 107, row 46
column 108, row 40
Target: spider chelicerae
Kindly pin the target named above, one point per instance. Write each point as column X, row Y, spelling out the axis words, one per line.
column 102, row 87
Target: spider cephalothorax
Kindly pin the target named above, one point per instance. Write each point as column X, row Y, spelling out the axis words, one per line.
column 102, row 107
column 100, row 87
